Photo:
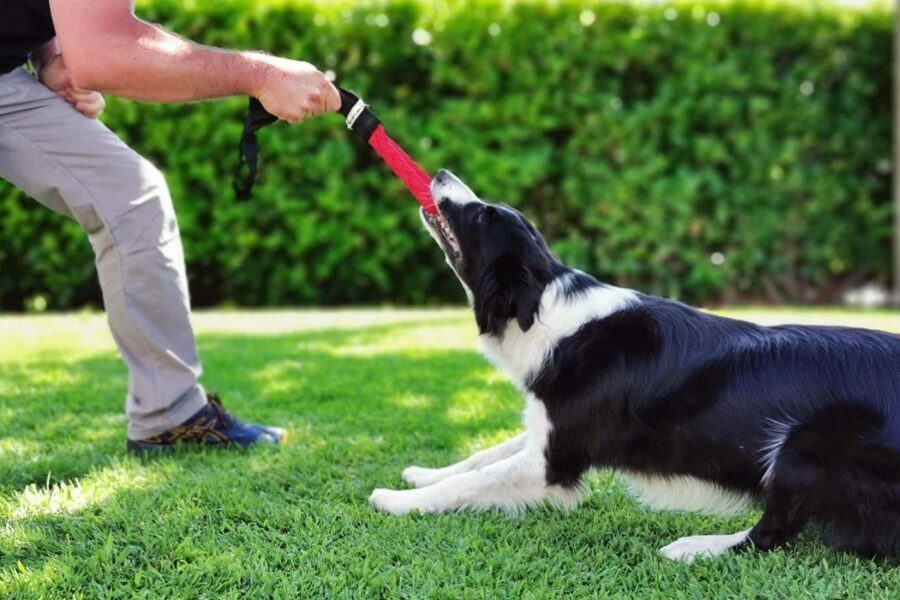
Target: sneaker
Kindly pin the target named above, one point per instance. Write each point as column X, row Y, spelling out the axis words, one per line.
column 211, row 426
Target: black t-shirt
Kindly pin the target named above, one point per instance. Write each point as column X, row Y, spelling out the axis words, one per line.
column 24, row 26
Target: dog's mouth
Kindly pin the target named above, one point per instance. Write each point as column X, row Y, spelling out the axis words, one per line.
column 442, row 232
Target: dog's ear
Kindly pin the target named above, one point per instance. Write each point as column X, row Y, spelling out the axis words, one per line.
column 528, row 303
column 507, row 290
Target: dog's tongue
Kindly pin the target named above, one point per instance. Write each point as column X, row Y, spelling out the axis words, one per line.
column 413, row 177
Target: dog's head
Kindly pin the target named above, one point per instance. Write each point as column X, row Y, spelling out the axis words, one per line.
column 501, row 259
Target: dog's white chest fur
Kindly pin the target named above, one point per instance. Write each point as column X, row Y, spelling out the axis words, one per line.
column 522, row 354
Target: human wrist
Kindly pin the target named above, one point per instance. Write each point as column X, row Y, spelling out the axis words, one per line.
column 42, row 56
column 255, row 68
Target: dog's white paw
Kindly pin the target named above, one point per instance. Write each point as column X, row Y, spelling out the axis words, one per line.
column 395, row 502
column 686, row 549
column 420, row 476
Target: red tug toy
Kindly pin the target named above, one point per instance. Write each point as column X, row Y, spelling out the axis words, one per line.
column 362, row 122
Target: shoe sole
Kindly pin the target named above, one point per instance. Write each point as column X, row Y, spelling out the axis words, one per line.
column 138, row 448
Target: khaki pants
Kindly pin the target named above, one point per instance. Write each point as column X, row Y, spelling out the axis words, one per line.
column 77, row 167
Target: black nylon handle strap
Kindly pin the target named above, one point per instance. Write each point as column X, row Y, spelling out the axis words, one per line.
column 363, row 124
column 248, row 149
column 348, row 99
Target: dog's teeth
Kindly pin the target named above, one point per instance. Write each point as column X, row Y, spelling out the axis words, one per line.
column 438, row 222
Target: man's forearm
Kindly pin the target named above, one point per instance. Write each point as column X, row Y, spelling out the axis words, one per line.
column 143, row 62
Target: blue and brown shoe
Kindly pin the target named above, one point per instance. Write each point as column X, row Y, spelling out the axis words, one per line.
column 211, row 426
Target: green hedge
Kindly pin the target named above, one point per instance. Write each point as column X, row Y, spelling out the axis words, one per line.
column 648, row 142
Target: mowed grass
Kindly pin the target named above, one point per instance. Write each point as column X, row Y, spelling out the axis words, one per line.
column 364, row 393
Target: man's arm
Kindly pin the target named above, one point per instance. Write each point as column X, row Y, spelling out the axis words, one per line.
column 108, row 49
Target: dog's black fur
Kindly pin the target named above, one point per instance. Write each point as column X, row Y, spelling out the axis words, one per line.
column 662, row 389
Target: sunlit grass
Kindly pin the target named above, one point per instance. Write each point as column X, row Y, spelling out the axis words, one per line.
column 364, row 393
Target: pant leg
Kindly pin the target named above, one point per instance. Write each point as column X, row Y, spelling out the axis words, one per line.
column 78, row 167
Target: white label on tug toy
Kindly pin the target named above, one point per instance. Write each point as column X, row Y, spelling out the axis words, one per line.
column 354, row 113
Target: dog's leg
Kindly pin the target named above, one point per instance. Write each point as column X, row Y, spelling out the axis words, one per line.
column 510, row 484
column 422, row 477
column 781, row 521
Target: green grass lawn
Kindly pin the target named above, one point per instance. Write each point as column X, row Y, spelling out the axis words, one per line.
column 364, row 393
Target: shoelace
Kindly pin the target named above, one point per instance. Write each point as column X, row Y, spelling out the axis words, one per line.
column 223, row 414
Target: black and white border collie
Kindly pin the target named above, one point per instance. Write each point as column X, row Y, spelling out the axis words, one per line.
column 695, row 411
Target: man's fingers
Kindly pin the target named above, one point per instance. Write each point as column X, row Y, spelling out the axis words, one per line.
column 315, row 102
column 311, row 106
column 88, row 103
column 89, row 110
column 298, row 116
column 80, row 95
column 332, row 97
column 326, row 98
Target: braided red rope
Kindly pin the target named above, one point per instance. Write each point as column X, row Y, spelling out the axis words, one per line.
column 413, row 177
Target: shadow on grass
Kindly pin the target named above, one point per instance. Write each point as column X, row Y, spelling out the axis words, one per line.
column 356, row 383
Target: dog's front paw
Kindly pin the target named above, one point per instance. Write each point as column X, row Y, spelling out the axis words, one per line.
column 390, row 501
column 686, row 549
column 420, row 476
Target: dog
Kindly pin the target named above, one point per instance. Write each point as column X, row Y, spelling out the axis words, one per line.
column 697, row 412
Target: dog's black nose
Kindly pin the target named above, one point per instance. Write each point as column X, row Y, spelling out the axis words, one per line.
column 442, row 176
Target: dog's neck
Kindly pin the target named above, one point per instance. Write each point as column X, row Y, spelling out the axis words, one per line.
column 563, row 309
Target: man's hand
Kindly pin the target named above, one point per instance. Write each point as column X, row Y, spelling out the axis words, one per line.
column 56, row 77
column 294, row 90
